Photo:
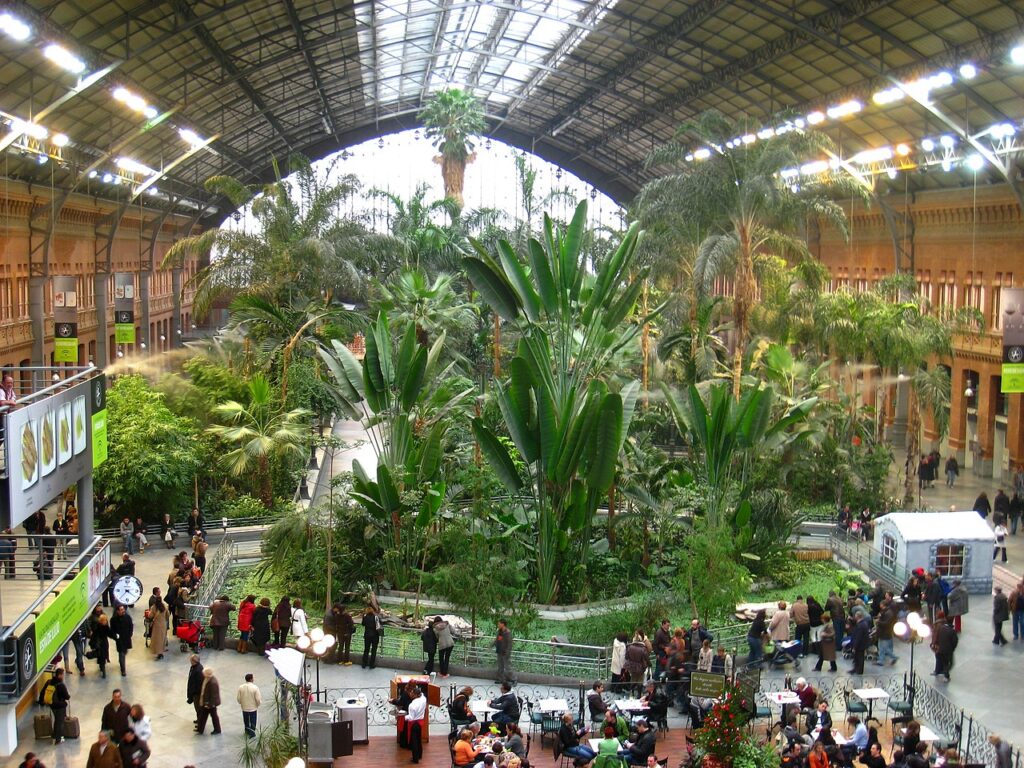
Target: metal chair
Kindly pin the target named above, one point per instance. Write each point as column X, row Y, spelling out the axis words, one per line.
column 854, row 706
column 536, row 720
column 550, row 723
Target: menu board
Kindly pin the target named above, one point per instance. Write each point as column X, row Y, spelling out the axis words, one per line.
column 46, row 448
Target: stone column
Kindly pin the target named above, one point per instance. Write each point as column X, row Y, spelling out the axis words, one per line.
column 172, row 335
column 86, row 516
column 144, row 278
column 37, row 319
column 1015, row 432
column 958, row 413
column 101, row 281
column 986, row 422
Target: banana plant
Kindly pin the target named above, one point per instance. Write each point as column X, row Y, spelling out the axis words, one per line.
column 403, row 398
column 566, row 411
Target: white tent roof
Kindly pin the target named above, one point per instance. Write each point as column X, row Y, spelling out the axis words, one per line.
column 935, row 526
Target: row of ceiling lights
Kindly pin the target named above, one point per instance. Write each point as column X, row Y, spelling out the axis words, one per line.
column 19, row 31
column 918, row 89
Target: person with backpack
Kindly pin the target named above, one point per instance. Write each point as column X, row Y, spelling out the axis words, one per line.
column 55, row 695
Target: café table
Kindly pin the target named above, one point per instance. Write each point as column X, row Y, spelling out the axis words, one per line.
column 783, row 699
column 927, row 734
column 869, row 695
column 837, row 736
column 482, row 709
column 547, row 706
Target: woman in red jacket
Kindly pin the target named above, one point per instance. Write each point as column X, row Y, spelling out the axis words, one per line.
column 245, row 612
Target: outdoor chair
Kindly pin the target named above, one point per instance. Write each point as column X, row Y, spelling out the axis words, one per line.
column 536, row 720
column 854, row 706
column 549, row 726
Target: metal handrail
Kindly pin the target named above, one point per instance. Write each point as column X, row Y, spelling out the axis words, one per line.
column 95, row 546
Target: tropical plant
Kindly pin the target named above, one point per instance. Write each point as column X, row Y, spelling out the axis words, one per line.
column 564, row 408
column 432, row 308
column 262, row 431
column 272, row 747
column 404, row 399
column 153, row 455
column 752, row 207
column 290, row 255
column 451, row 119
column 697, row 350
column 428, row 232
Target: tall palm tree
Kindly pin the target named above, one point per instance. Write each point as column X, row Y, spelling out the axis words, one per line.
column 261, row 431
column 428, row 232
column 753, row 209
column 288, row 253
column 452, row 118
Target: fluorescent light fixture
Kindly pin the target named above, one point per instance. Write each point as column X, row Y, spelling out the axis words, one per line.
column 153, row 191
column 947, row 141
column 1002, row 131
column 41, row 159
column 1017, row 55
column 64, row 59
column 133, row 166
column 891, row 173
column 975, row 162
column 869, row 156
column 14, row 27
column 968, row 71
column 135, row 102
column 59, row 140
column 845, row 109
column 32, row 130
column 902, row 150
column 818, row 166
column 816, row 117
column 927, row 145
column 888, row 96
column 947, row 165
column 190, row 136
column 702, row 154
column 107, row 178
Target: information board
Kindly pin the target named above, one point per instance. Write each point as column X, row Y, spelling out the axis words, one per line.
column 706, row 685
column 1011, row 302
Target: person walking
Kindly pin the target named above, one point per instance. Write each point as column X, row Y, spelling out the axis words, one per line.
column 134, row 751
column 982, row 505
column 100, row 643
column 445, row 643
column 1016, row 605
column 158, row 629
column 860, row 637
column 826, row 644
column 139, row 722
column 103, row 753
column 371, row 637
column 167, row 532
column 944, row 645
column 802, row 619
column 1016, row 510
column 31, row 761
column 55, row 694
column 885, row 624
column 249, row 699
column 300, row 626
column 1000, row 532
column 8, row 548
column 1000, row 613
column 503, row 650
column 115, row 716
column 952, row 470
column 959, row 603
column 261, row 625
column 220, row 618
column 835, row 608
column 755, row 638
column 281, row 621
column 245, row 611
column 346, row 628
column 122, row 628
column 209, row 700
column 194, row 684
column 429, row 641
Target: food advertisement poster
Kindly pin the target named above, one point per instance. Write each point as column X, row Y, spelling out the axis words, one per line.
column 46, row 459
column 1011, row 303
column 124, row 307
column 65, row 319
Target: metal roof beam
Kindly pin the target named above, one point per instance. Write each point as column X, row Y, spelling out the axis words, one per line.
column 440, row 24
column 502, row 19
column 213, row 47
column 828, row 22
column 314, row 71
column 657, row 45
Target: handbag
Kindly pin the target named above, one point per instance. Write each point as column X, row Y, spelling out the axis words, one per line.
column 275, row 625
column 168, row 536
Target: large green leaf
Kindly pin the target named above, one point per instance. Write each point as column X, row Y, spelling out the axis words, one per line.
column 382, row 335
column 431, row 453
column 517, row 420
column 406, row 351
column 389, row 496
column 516, row 276
column 540, row 267
column 493, row 288
column 607, row 438
column 579, row 432
column 502, row 464
column 412, row 386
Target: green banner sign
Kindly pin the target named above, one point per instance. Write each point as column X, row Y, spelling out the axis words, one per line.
column 124, row 333
column 1013, row 378
column 61, row 617
column 99, row 438
column 65, row 350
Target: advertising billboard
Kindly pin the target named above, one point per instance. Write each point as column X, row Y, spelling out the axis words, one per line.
column 65, row 319
column 1011, row 302
column 124, row 307
column 48, row 444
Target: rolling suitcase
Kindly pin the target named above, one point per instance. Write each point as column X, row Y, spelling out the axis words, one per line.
column 43, row 725
column 72, row 728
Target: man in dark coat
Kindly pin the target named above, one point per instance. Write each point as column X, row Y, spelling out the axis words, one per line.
column 194, row 685
column 1000, row 507
column 115, row 716
column 1000, row 613
column 944, row 645
column 58, row 703
column 859, row 641
column 121, row 628
column 429, row 640
column 933, row 596
column 134, row 751
column 209, row 700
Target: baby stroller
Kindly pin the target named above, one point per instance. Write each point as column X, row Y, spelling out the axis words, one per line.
column 786, row 652
column 191, row 635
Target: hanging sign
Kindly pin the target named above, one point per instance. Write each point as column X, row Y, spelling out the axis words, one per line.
column 65, row 319
column 124, row 308
column 1012, row 304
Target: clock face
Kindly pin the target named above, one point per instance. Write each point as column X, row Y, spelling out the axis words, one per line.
column 127, row 590
column 28, row 659
column 1015, row 354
